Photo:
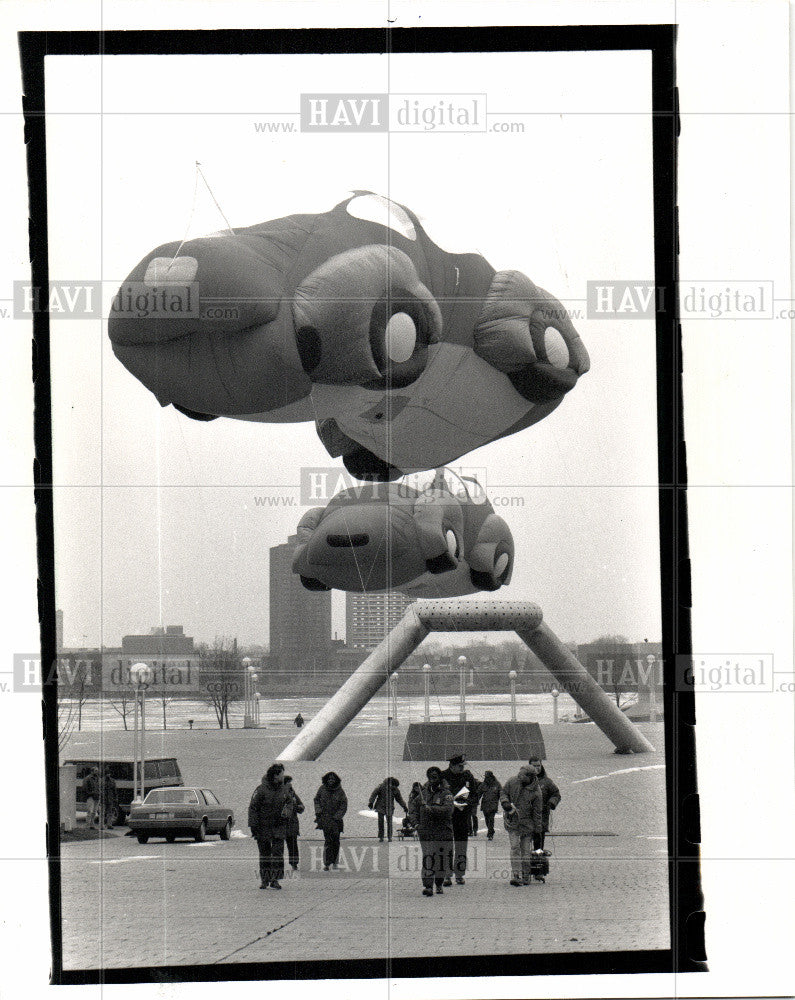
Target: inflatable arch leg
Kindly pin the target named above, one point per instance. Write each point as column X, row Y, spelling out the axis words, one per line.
column 423, row 617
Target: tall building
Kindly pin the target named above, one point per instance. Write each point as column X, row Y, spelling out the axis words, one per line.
column 369, row 618
column 300, row 619
column 171, row 654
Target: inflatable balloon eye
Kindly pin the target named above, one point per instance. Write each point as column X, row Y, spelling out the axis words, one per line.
column 376, row 336
column 452, row 543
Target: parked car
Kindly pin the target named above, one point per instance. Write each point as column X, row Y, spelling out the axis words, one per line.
column 180, row 812
column 159, row 772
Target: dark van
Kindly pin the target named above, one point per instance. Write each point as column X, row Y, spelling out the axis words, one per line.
column 159, row 772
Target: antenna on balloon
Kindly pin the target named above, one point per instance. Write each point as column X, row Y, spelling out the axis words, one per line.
column 207, row 185
column 198, row 172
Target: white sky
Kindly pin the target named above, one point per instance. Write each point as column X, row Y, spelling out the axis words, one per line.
column 155, row 513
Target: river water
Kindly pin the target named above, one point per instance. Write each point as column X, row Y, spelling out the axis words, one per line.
column 101, row 714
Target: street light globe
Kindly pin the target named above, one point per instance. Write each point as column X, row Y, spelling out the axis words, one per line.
column 426, row 666
column 255, row 677
column 462, row 660
column 554, row 692
column 140, row 674
column 512, row 675
column 256, row 696
column 651, row 658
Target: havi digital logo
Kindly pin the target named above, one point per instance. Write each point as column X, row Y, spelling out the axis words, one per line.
column 344, row 113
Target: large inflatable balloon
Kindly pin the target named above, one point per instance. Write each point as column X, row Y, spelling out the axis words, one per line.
column 388, row 536
column 406, row 356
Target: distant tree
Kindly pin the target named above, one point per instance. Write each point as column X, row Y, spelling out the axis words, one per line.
column 615, row 649
column 221, row 678
column 76, row 681
column 67, row 717
column 121, row 702
column 165, row 699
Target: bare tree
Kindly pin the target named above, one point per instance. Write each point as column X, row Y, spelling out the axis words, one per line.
column 165, row 699
column 221, row 677
column 121, row 703
column 76, row 682
column 615, row 649
column 67, row 717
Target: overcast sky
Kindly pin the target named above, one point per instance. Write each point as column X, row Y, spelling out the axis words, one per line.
column 156, row 516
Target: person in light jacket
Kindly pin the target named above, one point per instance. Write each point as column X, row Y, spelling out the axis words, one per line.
column 521, row 803
column 331, row 804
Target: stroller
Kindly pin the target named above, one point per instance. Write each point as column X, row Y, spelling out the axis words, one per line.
column 407, row 830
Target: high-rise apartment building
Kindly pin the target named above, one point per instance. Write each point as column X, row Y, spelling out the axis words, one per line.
column 369, row 618
column 300, row 619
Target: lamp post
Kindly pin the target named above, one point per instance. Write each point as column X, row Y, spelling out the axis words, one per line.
column 141, row 677
column 248, row 670
column 256, row 707
column 555, row 695
column 462, row 678
column 393, row 697
column 650, row 659
column 426, row 676
column 512, row 676
column 254, row 698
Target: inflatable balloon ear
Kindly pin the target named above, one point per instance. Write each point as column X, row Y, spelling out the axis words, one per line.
column 407, row 357
column 391, row 537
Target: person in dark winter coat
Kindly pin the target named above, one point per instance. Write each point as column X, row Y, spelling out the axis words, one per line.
column 550, row 795
column 490, row 800
column 383, row 799
column 331, row 804
column 473, row 809
column 458, row 779
column 292, row 823
column 431, row 813
column 110, row 801
column 522, row 808
column 298, row 720
column 268, row 813
column 91, row 786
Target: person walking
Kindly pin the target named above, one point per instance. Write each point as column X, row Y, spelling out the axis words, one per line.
column 292, row 823
column 463, row 786
column 489, row 801
column 331, row 804
column 431, row 813
column 474, row 800
column 268, row 813
column 298, row 720
column 110, row 801
column 91, row 787
column 550, row 794
column 521, row 805
column 383, row 799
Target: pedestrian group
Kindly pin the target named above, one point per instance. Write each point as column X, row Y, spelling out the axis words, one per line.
column 442, row 813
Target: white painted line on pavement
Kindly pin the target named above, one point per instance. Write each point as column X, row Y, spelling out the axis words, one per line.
column 121, row 861
column 624, row 770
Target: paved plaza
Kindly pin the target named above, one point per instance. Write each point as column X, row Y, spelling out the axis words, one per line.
column 127, row 904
